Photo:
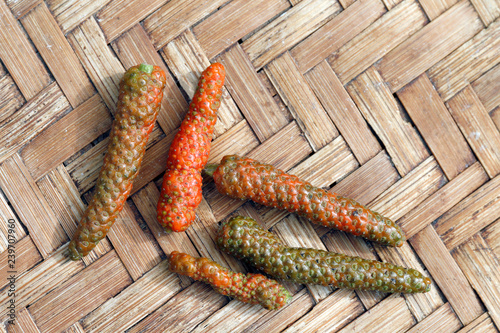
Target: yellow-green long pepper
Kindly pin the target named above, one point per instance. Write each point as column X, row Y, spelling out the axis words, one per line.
column 243, row 238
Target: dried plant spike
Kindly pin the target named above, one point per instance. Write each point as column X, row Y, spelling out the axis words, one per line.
column 244, row 178
column 243, row 238
column 141, row 91
column 188, row 153
column 248, row 288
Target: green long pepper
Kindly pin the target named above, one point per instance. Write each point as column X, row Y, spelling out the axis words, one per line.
column 243, row 238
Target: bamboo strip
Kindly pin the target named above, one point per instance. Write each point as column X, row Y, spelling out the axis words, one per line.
column 346, row 3
column 410, row 190
column 342, row 110
column 134, row 47
column 266, row 215
column 447, row 274
column 26, row 256
column 483, row 324
column 284, row 149
column 389, row 30
column 186, row 60
column 234, row 21
column 488, row 10
column 170, row 20
column 492, row 236
column 100, row 63
column 56, row 311
column 70, row 13
column 327, row 166
column 34, row 117
column 487, row 87
column 369, row 181
column 242, row 316
column 11, row 98
column 408, row 60
column 288, row 29
column 75, row 328
column 495, row 116
column 58, row 55
column 43, row 278
column 336, row 33
column 203, row 234
column 184, row 311
column 134, row 247
column 220, row 205
column 282, row 107
column 267, row 83
column 478, row 128
column 279, row 320
column 443, row 319
column 8, row 215
column 377, row 320
column 84, row 168
column 239, row 139
column 470, row 215
column 434, row 8
column 21, row 8
column 443, row 199
column 79, row 127
column 375, row 100
column 120, row 15
column 436, row 125
column 301, row 101
column 467, row 63
column 390, row 4
column 333, row 313
column 19, row 58
column 251, row 95
column 135, row 302
column 23, row 323
column 482, row 268
column 30, row 205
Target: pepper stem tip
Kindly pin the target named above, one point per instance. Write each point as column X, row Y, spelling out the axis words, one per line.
column 210, row 169
column 146, row 68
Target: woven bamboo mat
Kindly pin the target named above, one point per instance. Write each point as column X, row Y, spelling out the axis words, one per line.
column 393, row 103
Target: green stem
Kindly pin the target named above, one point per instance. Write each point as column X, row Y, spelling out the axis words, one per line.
column 210, row 169
column 146, row 68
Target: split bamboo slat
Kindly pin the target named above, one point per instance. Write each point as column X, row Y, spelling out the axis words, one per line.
column 393, row 103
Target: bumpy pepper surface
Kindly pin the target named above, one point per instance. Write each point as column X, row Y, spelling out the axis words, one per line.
column 248, row 288
column 141, row 91
column 244, row 178
column 188, row 154
column 243, row 238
